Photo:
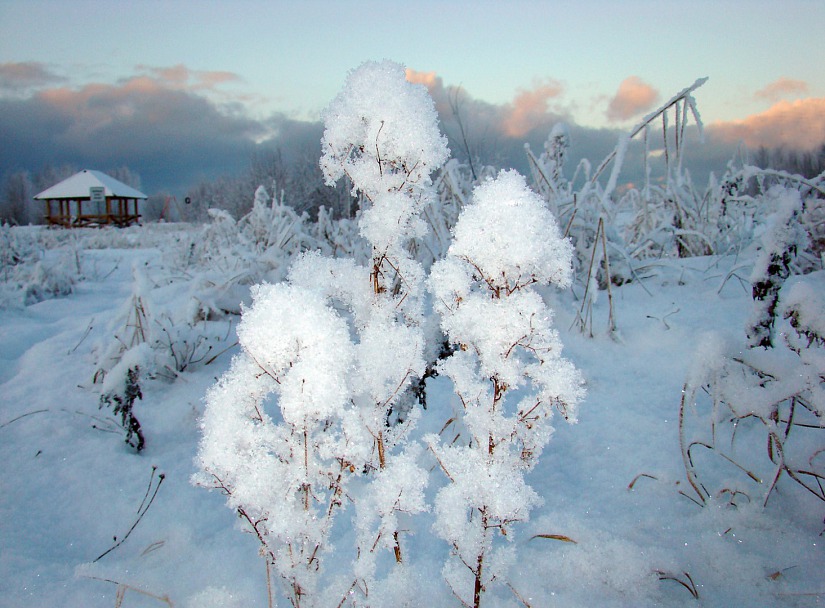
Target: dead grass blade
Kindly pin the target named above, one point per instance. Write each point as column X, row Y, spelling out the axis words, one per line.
column 690, row 471
column 122, row 588
column 686, row 581
column 638, row 477
column 561, row 537
column 7, row 423
column 519, row 597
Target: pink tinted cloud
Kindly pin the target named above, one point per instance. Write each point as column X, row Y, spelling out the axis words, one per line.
column 142, row 101
column 435, row 86
column 780, row 88
column 181, row 77
column 429, row 79
column 798, row 125
column 26, row 75
column 530, row 109
column 633, row 97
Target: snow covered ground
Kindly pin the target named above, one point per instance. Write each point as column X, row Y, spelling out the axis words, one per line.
column 71, row 490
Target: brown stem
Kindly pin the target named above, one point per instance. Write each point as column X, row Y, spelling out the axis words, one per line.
column 479, row 587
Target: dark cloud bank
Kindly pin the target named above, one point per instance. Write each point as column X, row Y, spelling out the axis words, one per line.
column 176, row 135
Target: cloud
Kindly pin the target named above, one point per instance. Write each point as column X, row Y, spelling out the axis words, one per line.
column 531, row 109
column 781, row 88
column 797, row 125
column 170, row 135
column 494, row 133
column 181, row 77
column 17, row 78
column 173, row 128
column 442, row 96
column 429, row 79
column 633, row 97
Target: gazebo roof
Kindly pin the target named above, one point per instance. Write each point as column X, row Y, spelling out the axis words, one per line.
column 77, row 187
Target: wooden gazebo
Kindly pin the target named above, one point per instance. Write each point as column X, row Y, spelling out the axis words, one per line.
column 91, row 198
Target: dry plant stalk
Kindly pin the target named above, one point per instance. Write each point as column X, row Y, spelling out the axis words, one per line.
column 638, row 477
column 561, row 537
column 585, row 314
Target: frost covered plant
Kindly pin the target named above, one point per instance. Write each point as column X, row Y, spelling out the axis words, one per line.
column 301, row 424
column 274, row 438
column 507, row 370
column 773, row 391
column 382, row 133
column 782, row 239
column 122, row 403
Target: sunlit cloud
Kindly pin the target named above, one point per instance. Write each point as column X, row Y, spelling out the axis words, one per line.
column 18, row 78
column 429, row 79
column 180, row 76
column 174, row 125
column 442, row 96
column 783, row 87
column 798, row 125
column 531, row 109
column 633, row 97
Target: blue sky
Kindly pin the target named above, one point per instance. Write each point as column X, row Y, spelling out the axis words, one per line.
column 597, row 64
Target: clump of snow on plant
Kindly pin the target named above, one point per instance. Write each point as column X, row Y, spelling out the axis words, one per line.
column 303, row 345
column 507, row 371
column 381, row 131
column 285, row 478
column 508, row 232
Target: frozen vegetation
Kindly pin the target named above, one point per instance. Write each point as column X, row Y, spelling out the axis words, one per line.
column 382, row 402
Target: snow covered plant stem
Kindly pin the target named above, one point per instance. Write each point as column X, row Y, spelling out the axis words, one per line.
column 337, row 346
column 507, row 370
column 382, row 133
column 285, row 479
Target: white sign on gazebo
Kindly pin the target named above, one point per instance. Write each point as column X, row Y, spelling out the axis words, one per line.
column 97, row 195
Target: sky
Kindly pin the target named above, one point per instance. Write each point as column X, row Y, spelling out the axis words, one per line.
column 186, row 90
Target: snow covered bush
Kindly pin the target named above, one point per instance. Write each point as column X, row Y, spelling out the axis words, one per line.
column 284, row 470
column 32, row 270
column 315, row 403
column 782, row 239
column 227, row 256
column 507, row 370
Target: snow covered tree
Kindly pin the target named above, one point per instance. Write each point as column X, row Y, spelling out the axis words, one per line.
column 507, row 370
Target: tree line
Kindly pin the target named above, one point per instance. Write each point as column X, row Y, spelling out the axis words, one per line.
column 297, row 182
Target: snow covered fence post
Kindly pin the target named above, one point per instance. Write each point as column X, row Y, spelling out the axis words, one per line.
column 508, row 373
